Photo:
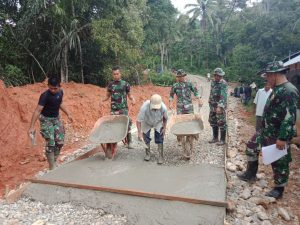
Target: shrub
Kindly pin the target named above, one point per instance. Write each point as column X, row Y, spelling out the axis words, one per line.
column 162, row 79
column 13, row 76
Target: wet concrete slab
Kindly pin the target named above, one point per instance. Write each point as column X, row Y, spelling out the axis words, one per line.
column 203, row 181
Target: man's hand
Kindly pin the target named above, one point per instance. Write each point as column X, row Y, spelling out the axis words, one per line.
column 133, row 102
column 280, row 144
column 163, row 131
column 218, row 110
column 31, row 131
column 140, row 136
column 70, row 118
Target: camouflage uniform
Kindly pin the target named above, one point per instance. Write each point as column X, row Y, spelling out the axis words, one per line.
column 218, row 98
column 119, row 91
column 53, row 132
column 183, row 91
column 184, row 105
column 278, row 123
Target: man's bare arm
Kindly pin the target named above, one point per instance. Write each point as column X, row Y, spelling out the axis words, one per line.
column 34, row 117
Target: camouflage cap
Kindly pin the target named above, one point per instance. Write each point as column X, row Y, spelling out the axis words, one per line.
column 275, row 67
column 180, row 73
column 219, row 71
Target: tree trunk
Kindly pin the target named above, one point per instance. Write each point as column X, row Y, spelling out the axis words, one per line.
column 64, row 65
column 80, row 57
column 162, row 53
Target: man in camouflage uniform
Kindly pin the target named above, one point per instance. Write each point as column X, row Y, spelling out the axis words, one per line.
column 218, row 104
column 184, row 104
column 278, row 122
column 117, row 91
column 51, row 127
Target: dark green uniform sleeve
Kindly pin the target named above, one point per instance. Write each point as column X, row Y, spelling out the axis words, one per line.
column 287, row 131
column 223, row 96
column 172, row 92
column 194, row 90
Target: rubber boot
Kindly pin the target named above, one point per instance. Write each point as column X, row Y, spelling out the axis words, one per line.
column 148, row 154
column 129, row 140
column 222, row 138
column 215, row 135
column 56, row 155
column 250, row 174
column 276, row 192
column 50, row 159
column 160, row 154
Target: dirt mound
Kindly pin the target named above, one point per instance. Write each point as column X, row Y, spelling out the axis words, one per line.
column 20, row 160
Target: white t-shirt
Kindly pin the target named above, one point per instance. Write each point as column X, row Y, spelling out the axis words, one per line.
column 152, row 118
column 260, row 100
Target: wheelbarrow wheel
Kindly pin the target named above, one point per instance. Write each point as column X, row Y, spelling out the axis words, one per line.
column 108, row 151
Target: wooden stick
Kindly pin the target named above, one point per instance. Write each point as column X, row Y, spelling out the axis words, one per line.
column 132, row 192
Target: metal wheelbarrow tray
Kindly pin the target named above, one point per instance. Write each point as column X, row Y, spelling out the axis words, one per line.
column 108, row 131
column 186, row 124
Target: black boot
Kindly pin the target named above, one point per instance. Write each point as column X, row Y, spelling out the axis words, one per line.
column 250, row 174
column 215, row 135
column 222, row 138
column 276, row 192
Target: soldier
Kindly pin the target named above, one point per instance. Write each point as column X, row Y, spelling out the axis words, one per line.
column 117, row 91
column 279, row 118
column 51, row 127
column 217, row 104
column 184, row 105
column 153, row 114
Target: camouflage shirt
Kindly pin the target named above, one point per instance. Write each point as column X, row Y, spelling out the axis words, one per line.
column 218, row 94
column 279, row 115
column 183, row 91
column 118, row 91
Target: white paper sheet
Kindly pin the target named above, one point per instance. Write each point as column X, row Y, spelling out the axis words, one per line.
column 271, row 153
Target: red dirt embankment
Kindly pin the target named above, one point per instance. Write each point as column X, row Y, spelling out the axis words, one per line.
column 18, row 159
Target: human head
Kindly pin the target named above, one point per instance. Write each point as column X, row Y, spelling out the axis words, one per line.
column 275, row 71
column 218, row 74
column 180, row 76
column 53, row 84
column 116, row 73
column 267, row 86
column 155, row 102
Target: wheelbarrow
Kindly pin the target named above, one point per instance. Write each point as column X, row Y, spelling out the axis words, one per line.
column 186, row 127
column 108, row 131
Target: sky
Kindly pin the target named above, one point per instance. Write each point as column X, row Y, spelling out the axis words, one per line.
column 179, row 4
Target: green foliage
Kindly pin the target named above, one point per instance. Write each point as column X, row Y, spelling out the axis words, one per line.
column 163, row 79
column 243, row 64
column 83, row 39
column 12, row 76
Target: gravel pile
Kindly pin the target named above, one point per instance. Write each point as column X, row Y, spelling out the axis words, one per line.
column 26, row 211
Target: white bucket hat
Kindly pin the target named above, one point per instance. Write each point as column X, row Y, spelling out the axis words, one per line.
column 155, row 101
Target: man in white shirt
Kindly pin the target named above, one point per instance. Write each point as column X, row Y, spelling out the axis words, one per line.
column 153, row 114
column 259, row 103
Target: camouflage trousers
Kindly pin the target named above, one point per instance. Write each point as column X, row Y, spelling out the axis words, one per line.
column 217, row 120
column 123, row 112
column 53, row 132
column 184, row 109
column 280, row 167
